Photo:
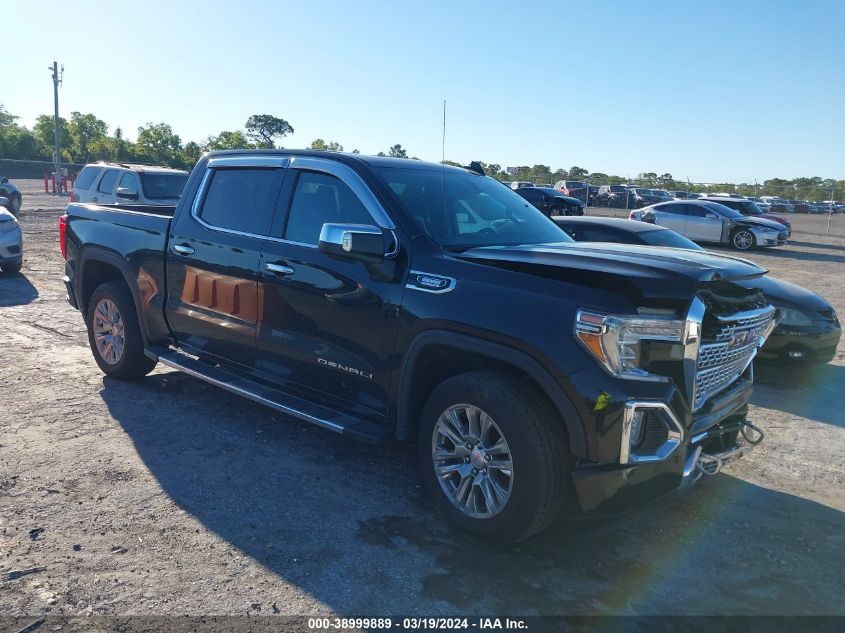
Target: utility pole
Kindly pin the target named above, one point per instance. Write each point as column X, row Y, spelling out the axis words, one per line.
column 57, row 178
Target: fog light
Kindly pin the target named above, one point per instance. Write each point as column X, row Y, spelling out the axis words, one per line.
column 637, row 428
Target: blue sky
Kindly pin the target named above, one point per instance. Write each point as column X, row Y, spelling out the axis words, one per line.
column 708, row 91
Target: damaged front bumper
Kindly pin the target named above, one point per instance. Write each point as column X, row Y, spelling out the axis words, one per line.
column 710, row 462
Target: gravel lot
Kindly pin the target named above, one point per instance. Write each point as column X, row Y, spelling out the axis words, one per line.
column 168, row 496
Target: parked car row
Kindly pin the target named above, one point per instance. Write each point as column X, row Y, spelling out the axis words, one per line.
column 630, row 196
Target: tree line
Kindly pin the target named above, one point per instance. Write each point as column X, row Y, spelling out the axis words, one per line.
column 86, row 138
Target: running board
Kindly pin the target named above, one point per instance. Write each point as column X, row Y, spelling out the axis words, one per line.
column 294, row 406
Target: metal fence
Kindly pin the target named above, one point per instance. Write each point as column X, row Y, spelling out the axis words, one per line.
column 36, row 176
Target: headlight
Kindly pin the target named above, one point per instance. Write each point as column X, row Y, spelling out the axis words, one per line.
column 8, row 226
column 793, row 317
column 615, row 340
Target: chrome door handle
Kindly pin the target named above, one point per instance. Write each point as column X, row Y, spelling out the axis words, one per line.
column 279, row 269
column 182, row 249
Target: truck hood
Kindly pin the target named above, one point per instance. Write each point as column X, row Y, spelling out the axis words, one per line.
column 647, row 271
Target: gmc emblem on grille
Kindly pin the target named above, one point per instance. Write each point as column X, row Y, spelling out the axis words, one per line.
column 743, row 338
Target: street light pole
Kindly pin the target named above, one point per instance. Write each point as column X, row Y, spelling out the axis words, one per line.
column 57, row 181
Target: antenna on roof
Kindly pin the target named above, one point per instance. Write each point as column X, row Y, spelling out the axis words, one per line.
column 443, row 158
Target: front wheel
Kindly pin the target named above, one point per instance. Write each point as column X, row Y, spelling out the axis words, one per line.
column 494, row 456
column 743, row 240
column 114, row 333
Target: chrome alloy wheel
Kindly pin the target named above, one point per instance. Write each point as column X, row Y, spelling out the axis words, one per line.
column 108, row 331
column 743, row 240
column 472, row 461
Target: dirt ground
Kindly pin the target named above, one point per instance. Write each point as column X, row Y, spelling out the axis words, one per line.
column 168, row 496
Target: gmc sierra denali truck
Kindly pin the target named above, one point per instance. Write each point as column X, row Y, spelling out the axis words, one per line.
column 398, row 300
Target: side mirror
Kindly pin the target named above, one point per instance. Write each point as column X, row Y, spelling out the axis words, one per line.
column 127, row 194
column 4, row 180
column 4, row 202
column 359, row 242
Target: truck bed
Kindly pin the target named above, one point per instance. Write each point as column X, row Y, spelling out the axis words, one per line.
column 132, row 238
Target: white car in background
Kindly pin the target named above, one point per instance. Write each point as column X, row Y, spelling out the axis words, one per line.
column 11, row 240
column 708, row 221
column 127, row 183
column 765, row 207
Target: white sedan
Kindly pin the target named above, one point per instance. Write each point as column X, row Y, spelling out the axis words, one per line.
column 11, row 240
column 706, row 221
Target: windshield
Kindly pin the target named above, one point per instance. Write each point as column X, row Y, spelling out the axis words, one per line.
column 464, row 210
column 160, row 186
column 665, row 237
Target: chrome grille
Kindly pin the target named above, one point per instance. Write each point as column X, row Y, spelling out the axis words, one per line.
column 724, row 355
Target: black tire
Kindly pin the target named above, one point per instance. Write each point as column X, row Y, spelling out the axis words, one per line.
column 11, row 268
column 132, row 362
column 740, row 241
column 14, row 203
column 538, row 448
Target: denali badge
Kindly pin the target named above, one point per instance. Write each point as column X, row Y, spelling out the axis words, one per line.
column 346, row 368
column 428, row 282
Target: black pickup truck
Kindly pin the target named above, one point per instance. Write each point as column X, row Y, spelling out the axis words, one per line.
column 398, row 300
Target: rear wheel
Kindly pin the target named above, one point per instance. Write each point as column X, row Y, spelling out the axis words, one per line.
column 15, row 203
column 494, row 456
column 114, row 333
column 743, row 240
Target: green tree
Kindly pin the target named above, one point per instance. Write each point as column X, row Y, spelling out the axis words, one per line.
column 397, row 151
column 334, row 146
column 666, row 181
column 541, row 174
column 318, row 144
column 228, row 140
column 6, row 118
column 85, row 131
column 648, row 179
column 577, row 173
column 191, row 153
column 264, row 129
column 44, row 130
column 158, row 143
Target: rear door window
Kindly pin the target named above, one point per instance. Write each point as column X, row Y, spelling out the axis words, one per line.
column 129, row 182
column 108, row 181
column 241, row 200
column 86, row 177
